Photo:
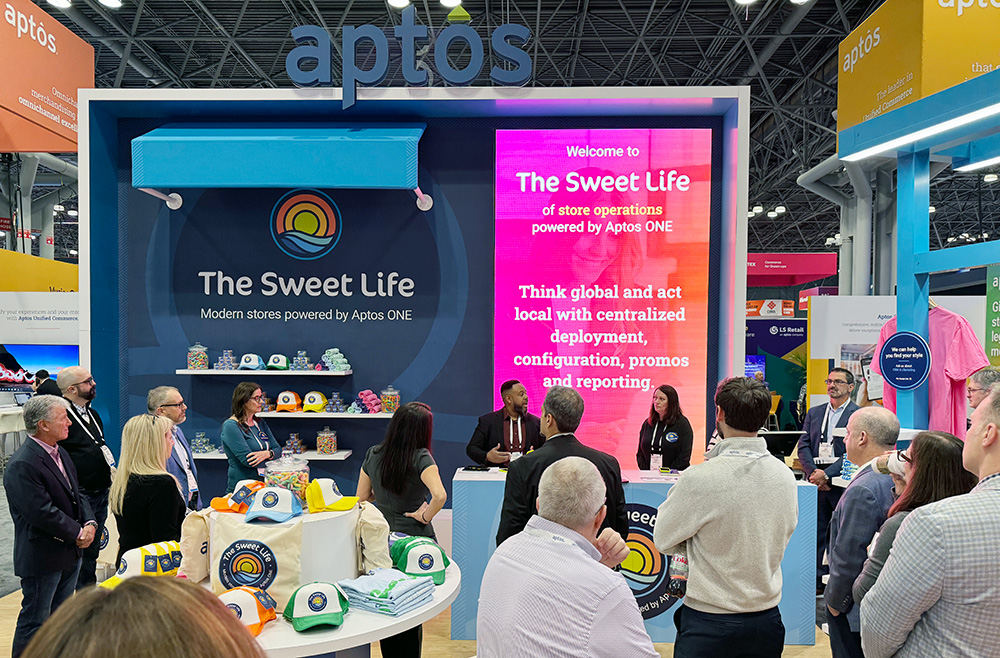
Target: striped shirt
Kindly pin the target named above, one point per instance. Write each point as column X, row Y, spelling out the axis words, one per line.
column 939, row 592
column 545, row 593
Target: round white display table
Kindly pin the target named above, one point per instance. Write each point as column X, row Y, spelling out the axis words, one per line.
column 359, row 630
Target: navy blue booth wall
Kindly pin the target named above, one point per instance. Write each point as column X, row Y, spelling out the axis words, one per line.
column 156, row 290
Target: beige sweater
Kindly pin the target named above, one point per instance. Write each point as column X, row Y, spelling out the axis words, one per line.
column 736, row 512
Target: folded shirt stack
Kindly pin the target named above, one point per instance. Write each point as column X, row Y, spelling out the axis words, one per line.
column 388, row 591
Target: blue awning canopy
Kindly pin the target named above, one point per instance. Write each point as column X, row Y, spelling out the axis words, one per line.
column 345, row 155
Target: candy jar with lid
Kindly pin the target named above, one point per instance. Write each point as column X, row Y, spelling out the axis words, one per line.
column 288, row 472
column 390, row 399
column 197, row 357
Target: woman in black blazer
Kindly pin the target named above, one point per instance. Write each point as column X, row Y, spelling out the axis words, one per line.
column 666, row 433
column 146, row 499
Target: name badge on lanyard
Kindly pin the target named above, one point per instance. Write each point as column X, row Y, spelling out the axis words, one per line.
column 655, row 461
column 99, row 440
column 514, row 456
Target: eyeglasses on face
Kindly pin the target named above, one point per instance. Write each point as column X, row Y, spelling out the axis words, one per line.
column 975, row 390
column 838, row 382
column 178, row 404
column 88, row 380
column 903, row 456
column 258, row 398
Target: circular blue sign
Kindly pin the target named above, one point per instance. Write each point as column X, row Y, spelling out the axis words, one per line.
column 905, row 360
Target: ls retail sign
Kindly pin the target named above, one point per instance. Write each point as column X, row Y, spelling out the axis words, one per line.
column 910, row 49
column 309, row 64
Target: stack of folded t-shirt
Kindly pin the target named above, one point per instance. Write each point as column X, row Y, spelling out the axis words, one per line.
column 388, row 591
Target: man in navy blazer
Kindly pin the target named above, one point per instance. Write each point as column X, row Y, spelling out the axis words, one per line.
column 862, row 510
column 506, row 432
column 821, row 452
column 52, row 521
column 167, row 401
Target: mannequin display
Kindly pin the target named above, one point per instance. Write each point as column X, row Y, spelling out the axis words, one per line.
column 956, row 353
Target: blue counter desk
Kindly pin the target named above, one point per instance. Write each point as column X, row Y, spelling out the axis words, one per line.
column 476, row 502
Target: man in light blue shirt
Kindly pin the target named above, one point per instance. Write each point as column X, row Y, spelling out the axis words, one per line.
column 554, row 565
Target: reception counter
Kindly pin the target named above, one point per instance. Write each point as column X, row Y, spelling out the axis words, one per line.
column 478, row 496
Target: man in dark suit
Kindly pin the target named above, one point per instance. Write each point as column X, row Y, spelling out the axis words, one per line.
column 90, row 454
column 508, row 432
column 821, row 452
column 561, row 414
column 52, row 520
column 45, row 385
column 862, row 510
column 167, row 401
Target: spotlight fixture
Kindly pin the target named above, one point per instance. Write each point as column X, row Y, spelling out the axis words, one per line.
column 399, row 4
column 72, row 252
column 931, row 209
column 799, row 2
column 751, row 214
column 111, row 4
column 772, row 214
column 62, row 4
column 73, row 213
column 451, row 4
column 990, row 178
column 59, row 207
column 745, row 2
column 780, row 209
column 758, row 210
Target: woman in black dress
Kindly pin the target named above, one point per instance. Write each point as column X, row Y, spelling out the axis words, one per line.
column 146, row 499
column 665, row 438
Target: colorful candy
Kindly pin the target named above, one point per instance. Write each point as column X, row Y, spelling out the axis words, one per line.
column 197, row 357
column 326, row 441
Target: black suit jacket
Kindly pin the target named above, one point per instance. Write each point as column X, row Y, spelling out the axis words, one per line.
column 48, row 511
column 48, row 387
column 489, row 434
column 521, row 489
column 809, row 443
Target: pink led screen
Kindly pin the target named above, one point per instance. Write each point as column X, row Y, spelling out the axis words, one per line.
column 602, row 257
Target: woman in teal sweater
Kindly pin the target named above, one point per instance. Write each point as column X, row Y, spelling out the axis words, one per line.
column 247, row 441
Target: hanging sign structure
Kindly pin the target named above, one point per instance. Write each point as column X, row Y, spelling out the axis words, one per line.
column 905, row 360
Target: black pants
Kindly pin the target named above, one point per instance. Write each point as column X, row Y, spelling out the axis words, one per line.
column 844, row 643
column 405, row 645
column 746, row 635
column 826, row 502
column 88, row 570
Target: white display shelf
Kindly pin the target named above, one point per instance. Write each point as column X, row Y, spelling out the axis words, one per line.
column 319, row 414
column 310, row 455
column 255, row 373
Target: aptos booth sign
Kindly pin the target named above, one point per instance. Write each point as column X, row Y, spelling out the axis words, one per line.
column 309, row 64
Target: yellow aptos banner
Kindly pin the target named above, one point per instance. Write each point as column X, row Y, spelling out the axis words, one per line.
column 24, row 273
column 909, row 49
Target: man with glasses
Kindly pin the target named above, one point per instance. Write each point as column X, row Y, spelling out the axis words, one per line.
column 979, row 385
column 167, row 401
column 821, row 452
column 91, row 456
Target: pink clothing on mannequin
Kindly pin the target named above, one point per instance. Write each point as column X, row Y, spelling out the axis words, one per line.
column 955, row 354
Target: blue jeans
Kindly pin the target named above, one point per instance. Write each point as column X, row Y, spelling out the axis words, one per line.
column 746, row 635
column 41, row 596
column 88, row 571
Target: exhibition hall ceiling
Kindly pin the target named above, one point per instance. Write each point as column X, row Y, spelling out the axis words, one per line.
column 786, row 52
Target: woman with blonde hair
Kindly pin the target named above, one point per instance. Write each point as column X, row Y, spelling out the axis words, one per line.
column 144, row 618
column 145, row 498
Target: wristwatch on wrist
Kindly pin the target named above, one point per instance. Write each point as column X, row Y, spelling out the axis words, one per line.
column 91, row 522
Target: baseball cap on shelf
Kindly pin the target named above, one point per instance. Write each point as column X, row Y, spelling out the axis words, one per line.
column 322, row 495
column 251, row 362
column 253, row 607
column 420, row 556
column 277, row 362
column 289, row 401
column 314, row 401
column 239, row 500
column 160, row 559
column 316, row 604
column 275, row 504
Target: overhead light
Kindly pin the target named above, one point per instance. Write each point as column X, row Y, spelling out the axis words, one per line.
column 745, row 2
column 952, row 239
column 34, row 237
column 931, row 209
column 59, row 207
column 780, row 209
column 399, row 4
column 982, row 164
column 73, row 213
column 72, row 252
column 772, row 214
column 990, row 178
column 451, row 3
column 930, row 131
column 751, row 214
column 111, row 4
column 799, row 2
column 2, row 234
column 62, row 4
column 758, row 210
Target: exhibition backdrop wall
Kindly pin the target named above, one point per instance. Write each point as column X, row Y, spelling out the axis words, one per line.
column 408, row 296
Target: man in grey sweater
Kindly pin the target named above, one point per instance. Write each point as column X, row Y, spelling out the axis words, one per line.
column 734, row 515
